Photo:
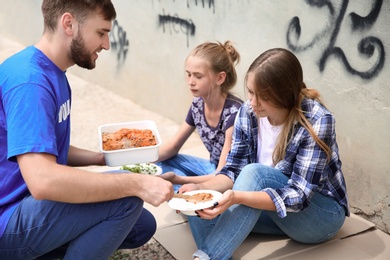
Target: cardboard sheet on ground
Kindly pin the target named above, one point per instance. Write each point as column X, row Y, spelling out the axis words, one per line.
column 358, row 239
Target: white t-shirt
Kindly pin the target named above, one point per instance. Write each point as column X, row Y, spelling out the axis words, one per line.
column 268, row 135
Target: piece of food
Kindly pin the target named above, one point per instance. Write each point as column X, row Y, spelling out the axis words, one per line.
column 143, row 168
column 196, row 198
column 128, row 138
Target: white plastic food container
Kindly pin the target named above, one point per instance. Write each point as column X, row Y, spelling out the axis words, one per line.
column 131, row 155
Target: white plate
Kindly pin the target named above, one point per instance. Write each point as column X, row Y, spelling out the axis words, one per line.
column 189, row 208
column 145, row 166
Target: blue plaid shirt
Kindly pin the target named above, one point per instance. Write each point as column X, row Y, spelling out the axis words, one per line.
column 305, row 162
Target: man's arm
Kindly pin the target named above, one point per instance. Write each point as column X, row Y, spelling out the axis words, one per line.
column 47, row 180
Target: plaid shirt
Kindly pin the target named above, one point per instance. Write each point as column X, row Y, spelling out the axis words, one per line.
column 305, row 163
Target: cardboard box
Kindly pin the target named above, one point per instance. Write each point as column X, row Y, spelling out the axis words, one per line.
column 357, row 239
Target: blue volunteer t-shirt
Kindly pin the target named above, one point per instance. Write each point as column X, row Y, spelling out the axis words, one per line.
column 35, row 101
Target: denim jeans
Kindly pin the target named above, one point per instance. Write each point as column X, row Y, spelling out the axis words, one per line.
column 50, row 230
column 187, row 165
column 220, row 237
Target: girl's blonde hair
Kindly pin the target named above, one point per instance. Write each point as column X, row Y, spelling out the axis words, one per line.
column 220, row 57
column 278, row 77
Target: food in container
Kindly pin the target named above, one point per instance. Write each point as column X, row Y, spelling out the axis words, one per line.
column 128, row 138
column 132, row 154
column 190, row 201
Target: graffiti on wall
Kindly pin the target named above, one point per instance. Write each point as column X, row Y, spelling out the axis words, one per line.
column 211, row 3
column 170, row 23
column 175, row 24
column 370, row 47
column 119, row 42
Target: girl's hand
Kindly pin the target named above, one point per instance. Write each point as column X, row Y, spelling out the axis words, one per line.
column 188, row 187
column 219, row 207
column 185, row 188
column 168, row 176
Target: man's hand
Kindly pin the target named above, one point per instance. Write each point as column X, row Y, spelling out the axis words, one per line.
column 155, row 191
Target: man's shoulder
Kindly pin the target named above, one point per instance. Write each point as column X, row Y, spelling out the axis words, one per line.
column 22, row 54
column 20, row 62
column 27, row 66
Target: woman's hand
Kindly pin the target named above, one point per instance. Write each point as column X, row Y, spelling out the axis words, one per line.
column 219, row 207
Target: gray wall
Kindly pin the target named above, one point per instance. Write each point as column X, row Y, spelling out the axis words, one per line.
column 343, row 47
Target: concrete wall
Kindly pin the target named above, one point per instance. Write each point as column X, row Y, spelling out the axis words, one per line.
column 343, row 47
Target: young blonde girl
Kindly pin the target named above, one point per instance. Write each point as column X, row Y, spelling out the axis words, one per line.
column 210, row 73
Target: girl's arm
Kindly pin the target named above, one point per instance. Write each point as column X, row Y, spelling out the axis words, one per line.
column 253, row 199
column 218, row 182
column 172, row 147
column 177, row 179
column 82, row 157
column 226, row 148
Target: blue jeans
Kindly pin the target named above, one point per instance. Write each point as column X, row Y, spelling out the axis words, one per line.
column 48, row 230
column 220, row 237
column 187, row 165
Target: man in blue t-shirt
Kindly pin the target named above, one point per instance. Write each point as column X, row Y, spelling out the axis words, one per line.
column 48, row 207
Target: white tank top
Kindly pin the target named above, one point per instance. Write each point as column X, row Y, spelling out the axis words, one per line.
column 268, row 135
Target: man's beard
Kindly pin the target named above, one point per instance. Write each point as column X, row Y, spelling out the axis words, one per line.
column 80, row 54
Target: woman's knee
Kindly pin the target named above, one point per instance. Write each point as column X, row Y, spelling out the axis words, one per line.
column 251, row 177
column 257, row 169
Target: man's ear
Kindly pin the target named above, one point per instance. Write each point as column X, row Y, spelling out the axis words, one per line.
column 68, row 24
column 221, row 77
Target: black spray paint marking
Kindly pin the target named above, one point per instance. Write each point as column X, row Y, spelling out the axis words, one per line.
column 119, row 42
column 366, row 47
column 176, row 24
column 210, row 4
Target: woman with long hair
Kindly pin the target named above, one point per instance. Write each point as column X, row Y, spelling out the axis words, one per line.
column 283, row 174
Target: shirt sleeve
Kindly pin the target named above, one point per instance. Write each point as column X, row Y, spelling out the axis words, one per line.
column 239, row 155
column 33, row 132
column 231, row 109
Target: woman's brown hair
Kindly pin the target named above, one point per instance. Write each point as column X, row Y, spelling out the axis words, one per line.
column 278, row 78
